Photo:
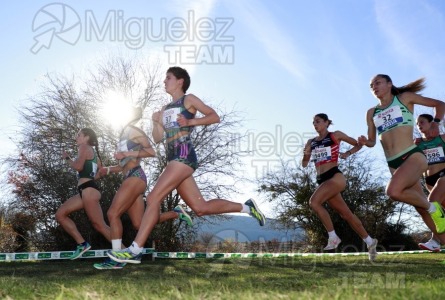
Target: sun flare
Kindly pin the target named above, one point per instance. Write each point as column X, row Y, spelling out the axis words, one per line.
column 116, row 109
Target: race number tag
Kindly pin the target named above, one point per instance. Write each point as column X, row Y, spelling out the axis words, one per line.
column 321, row 154
column 388, row 118
column 434, row 155
column 94, row 171
column 169, row 117
column 122, row 146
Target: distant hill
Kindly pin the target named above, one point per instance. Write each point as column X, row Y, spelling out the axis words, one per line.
column 246, row 229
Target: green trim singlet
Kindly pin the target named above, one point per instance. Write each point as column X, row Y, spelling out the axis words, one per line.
column 89, row 169
column 393, row 116
column 433, row 149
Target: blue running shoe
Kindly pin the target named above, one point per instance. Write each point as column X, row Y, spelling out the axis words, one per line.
column 183, row 216
column 81, row 249
column 124, row 256
column 109, row 264
column 255, row 212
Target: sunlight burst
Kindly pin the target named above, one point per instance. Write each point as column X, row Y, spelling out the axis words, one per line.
column 116, row 109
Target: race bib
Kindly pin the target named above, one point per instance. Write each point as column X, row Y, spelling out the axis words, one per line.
column 169, row 117
column 321, row 154
column 122, row 146
column 94, row 171
column 388, row 118
column 434, row 155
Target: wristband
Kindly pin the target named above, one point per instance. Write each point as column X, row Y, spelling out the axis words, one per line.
column 437, row 120
column 350, row 153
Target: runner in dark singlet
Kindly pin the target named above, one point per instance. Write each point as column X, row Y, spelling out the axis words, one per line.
column 86, row 164
column 176, row 121
column 434, row 149
column 324, row 150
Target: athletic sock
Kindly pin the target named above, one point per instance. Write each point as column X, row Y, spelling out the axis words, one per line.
column 432, row 208
column 245, row 209
column 135, row 249
column 332, row 234
column 368, row 240
column 116, row 244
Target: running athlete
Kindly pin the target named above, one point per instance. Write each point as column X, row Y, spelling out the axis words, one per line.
column 435, row 183
column 324, row 150
column 177, row 120
column 393, row 121
column 132, row 147
column 86, row 164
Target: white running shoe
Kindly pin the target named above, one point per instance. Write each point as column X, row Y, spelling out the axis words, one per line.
column 431, row 245
column 332, row 243
column 372, row 250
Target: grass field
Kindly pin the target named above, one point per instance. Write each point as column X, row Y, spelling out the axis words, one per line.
column 401, row 276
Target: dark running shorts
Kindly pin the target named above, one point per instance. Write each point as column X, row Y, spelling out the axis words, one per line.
column 88, row 184
column 396, row 161
column 137, row 172
column 432, row 179
column 327, row 175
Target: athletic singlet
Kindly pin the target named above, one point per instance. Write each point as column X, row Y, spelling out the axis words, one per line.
column 126, row 144
column 433, row 150
column 324, row 151
column 169, row 116
column 89, row 169
column 393, row 116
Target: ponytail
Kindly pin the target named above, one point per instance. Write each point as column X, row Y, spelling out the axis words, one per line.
column 413, row 87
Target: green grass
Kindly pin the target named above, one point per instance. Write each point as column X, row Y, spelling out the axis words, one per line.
column 407, row 276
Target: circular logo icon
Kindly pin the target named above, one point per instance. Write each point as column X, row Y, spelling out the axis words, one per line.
column 55, row 20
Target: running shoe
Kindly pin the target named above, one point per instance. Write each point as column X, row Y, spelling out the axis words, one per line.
column 183, row 215
column 372, row 250
column 124, row 256
column 255, row 212
column 431, row 245
column 81, row 249
column 438, row 217
column 109, row 264
column 332, row 243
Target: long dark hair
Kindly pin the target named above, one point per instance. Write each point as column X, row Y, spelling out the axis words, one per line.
column 92, row 141
column 414, row 87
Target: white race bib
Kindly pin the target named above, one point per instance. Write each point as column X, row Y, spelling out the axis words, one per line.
column 122, row 146
column 388, row 118
column 434, row 155
column 94, row 167
column 321, row 154
column 169, row 117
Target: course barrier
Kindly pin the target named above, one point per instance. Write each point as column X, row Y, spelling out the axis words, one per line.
column 197, row 255
column 30, row 256
column 23, row 256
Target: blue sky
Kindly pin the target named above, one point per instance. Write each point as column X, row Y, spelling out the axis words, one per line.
column 289, row 59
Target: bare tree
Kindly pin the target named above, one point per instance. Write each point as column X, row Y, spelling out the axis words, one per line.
column 290, row 189
column 51, row 119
